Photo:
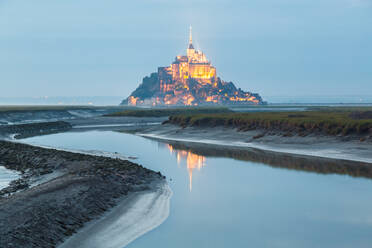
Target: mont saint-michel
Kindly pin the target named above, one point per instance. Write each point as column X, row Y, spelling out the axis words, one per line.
column 190, row 80
column 119, row 129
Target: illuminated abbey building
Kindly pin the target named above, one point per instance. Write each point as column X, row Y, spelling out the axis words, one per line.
column 190, row 80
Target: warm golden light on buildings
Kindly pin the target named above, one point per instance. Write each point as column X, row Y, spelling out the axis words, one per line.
column 190, row 80
column 192, row 66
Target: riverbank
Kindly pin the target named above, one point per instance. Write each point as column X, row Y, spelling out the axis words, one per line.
column 59, row 192
column 314, row 164
column 315, row 145
column 21, row 131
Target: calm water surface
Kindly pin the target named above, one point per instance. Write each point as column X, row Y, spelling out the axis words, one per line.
column 223, row 202
column 6, row 176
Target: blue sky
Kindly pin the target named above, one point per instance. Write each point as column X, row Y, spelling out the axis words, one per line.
column 274, row 47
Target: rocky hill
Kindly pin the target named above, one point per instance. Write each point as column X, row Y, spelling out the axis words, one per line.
column 192, row 92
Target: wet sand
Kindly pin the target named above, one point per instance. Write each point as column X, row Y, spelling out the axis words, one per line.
column 135, row 215
column 311, row 145
column 59, row 192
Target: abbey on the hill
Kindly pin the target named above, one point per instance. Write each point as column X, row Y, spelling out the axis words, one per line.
column 190, row 80
column 194, row 65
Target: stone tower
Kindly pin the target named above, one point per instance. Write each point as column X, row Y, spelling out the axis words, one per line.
column 190, row 49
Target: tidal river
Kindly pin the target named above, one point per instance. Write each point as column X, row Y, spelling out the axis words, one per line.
column 225, row 202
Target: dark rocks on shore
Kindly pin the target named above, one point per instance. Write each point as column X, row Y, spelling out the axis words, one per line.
column 87, row 186
column 21, row 131
column 15, row 186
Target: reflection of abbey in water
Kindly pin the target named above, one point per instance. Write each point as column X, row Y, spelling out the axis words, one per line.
column 193, row 161
column 320, row 165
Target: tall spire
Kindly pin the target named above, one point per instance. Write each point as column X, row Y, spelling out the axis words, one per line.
column 190, row 39
column 190, row 36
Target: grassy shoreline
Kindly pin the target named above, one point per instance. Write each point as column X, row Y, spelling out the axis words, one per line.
column 326, row 122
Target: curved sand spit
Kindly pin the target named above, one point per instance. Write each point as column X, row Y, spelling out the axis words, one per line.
column 136, row 215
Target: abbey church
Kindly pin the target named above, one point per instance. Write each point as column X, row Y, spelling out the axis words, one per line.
column 190, row 80
column 193, row 65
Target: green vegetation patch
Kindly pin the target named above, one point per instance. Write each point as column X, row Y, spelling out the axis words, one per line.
column 332, row 123
column 161, row 112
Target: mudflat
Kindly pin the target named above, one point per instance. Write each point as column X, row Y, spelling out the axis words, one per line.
column 60, row 191
column 315, row 145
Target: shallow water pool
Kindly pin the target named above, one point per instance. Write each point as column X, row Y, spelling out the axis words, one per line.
column 225, row 202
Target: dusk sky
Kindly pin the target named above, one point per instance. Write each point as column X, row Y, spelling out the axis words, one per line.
column 105, row 48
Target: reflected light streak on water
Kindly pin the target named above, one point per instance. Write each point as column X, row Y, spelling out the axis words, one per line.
column 193, row 161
